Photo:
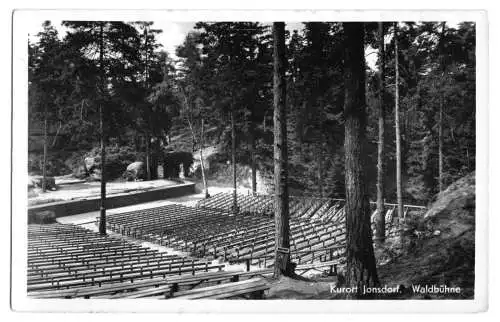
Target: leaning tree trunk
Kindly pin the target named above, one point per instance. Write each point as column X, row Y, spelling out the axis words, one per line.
column 202, row 162
column 233, row 159
column 45, row 144
column 380, row 219
column 399, row 185
column 282, row 264
column 102, row 219
column 361, row 266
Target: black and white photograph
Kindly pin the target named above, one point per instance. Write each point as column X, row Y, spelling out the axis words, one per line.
column 254, row 159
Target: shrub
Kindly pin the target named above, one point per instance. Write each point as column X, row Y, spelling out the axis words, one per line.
column 172, row 162
column 117, row 159
column 77, row 165
column 55, row 164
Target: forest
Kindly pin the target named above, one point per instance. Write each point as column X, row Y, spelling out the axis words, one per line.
column 374, row 111
column 222, row 75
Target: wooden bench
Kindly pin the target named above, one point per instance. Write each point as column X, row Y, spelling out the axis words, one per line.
column 148, row 287
column 131, row 276
column 172, row 285
column 317, row 266
column 255, row 287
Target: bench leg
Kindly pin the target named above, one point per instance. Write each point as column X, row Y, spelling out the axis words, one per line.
column 257, row 295
column 173, row 289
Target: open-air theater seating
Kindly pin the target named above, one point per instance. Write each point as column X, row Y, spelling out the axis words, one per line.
column 70, row 261
column 212, row 230
column 211, row 233
column 64, row 256
column 156, row 287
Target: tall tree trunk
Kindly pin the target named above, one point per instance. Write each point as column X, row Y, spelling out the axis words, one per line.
column 252, row 159
column 361, row 266
column 281, row 212
column 233, row 159
column 102, row 221
column 154, row 159
column 202, row 162
column 148, row 155
column 45, row 147
column 380, row 219
column 440, row 145
column 399, row 185
column 148, row 137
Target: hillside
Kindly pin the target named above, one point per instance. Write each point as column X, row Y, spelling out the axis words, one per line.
column 435, row 249
column 440, row 247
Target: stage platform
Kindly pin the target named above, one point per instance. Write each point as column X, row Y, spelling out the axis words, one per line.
column 73, row 207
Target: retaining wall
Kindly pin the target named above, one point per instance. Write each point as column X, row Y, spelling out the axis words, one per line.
column 73, row 207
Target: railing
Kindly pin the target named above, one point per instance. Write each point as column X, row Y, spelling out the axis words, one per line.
column 88, row 222
column 311, row 206
column 404, row 206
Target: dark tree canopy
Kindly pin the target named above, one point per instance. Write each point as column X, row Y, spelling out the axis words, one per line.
column 355, row 111
column 229, row 64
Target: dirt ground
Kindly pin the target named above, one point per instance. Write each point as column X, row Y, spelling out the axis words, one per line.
column 302, row 289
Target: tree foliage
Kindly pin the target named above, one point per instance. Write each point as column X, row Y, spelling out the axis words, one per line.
column 225, row 65
column 67, row 79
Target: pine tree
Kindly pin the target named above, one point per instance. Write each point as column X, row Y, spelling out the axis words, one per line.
column 236, row 84
column 380, row 219
column 102, row 86
column 315, row 87
column 399, row 185
column 361, row 266
column 148, row 59
column 104, row 39
column 281, row 202
column 45, row 84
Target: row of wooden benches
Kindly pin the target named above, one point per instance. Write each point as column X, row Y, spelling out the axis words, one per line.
column 66, row 256
column 228, row 236
column 324, row 209
column 182, row 287
column 300, row 207
column 173, row 217
column 149, row 287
